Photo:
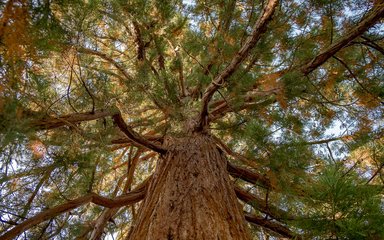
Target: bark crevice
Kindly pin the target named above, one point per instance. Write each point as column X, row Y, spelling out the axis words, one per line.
column 191, row 195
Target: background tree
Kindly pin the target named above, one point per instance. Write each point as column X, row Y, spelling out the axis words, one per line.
column 106, row 103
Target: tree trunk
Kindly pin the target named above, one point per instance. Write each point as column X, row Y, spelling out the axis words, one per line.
column 190, row 195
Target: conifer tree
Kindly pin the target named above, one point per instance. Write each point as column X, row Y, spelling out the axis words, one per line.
column 220, row 119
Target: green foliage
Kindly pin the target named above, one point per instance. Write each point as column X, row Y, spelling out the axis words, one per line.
column 316, row 138
column 343, row 206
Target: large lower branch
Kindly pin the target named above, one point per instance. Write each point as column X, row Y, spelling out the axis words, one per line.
column 258, row 29
column 131, row 198
column 256, row 178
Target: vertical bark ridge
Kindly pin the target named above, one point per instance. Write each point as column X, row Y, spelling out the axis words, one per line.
column 190, row 196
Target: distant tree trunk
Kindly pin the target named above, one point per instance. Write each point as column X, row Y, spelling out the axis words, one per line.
column 190, row 196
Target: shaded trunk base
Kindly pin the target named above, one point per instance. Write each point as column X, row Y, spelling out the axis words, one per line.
column 190, row 195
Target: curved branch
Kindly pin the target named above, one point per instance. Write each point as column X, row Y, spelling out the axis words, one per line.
column 258, row 29
column 132, row 197
column 249, row 101
column 131, row 134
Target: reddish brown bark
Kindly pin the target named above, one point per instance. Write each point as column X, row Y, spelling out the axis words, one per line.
column 190, row 195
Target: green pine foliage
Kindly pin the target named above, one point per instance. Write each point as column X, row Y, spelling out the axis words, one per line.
column 317, row 138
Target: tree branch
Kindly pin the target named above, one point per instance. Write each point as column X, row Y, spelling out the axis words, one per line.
column 132, row 197
column 47, row 123
column 261, row 205
column 139, row 41
column 357, row 80
column 131, row 134
column 248, row 175
column 374, row 15
column 258, row 29
column 274, row 227
column 108, row 214
column 249, row 101
column 368, row 42
column 107, row 58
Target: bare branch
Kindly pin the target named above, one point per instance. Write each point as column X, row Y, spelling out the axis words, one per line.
column 357, row 80
column 375, row 174
column 108, row 214
column 249, row 101
column 45, row 177
column 258, row 29
column 328, row 140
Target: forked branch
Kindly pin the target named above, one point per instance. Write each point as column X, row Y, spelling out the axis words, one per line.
column 258, row 29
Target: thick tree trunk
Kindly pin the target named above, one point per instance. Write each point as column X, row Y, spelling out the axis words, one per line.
column 190, row 195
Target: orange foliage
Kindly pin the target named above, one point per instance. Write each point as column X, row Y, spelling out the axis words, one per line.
column 271, row 82
column 14, row 23
column 38, row 149
column 330, row 82
column 367, row 100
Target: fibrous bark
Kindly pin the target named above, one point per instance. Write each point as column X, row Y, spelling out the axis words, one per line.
column 190, row 195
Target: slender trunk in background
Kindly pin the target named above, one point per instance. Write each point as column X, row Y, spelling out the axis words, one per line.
column 190, row 195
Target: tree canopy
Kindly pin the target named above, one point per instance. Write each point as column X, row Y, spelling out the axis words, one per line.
column 292, row 91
